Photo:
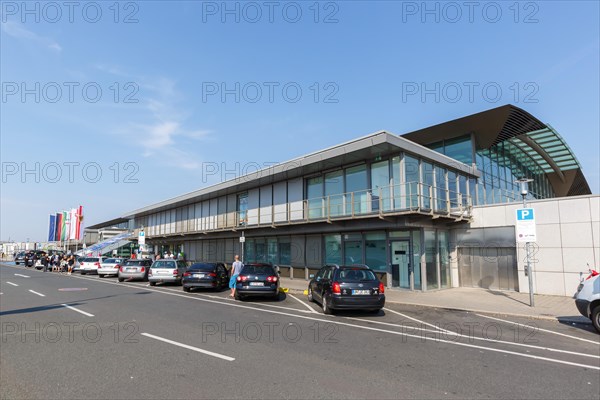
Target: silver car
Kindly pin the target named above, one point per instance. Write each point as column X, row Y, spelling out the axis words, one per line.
column 135, row 269
column 166, row 270
column 110, row 266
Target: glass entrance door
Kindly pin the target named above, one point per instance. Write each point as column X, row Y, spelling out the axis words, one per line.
column 401, row 269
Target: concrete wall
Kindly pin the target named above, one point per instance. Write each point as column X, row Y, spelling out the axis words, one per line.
column 568, row 237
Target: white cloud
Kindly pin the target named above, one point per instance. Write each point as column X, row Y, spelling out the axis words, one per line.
column 17, row 31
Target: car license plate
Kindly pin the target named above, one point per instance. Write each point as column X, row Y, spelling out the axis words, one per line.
column 361, row 292
column 257, row 284
column 198, row 275
column 129, row 269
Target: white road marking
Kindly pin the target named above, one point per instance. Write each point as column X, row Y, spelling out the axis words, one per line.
column 39, row 294
column 333, row 321
column 185, row 346
column 473, row 337
column 422, row 322
column 303, row 303
column 539, row 329
column 10, row 283
column 78, row 310
column 23, row 276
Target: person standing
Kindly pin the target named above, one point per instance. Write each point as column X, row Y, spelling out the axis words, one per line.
column 45, row 262
column 236, row 268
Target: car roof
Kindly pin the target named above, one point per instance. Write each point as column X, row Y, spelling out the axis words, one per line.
column 353, row 266
column 258, row 264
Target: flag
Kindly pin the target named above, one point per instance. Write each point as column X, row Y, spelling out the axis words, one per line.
column 51, row 228
column 73, row 224
column 65, row 227
column 58, row 236
column 78, row 232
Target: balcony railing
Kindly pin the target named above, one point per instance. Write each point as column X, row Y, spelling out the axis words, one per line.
column 402, row 199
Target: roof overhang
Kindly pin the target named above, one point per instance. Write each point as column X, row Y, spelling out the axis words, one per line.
column 370, row 147
column 545, row 149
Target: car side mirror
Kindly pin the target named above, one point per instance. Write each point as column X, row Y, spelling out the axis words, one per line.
column 311, row 276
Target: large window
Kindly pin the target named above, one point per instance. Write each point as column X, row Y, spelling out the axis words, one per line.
column 376, row 251
column 272, row 251
column 427, row 189
column 441, row 193
column 314, row 193
column 333, row 249
column 353, row 253
column 242, row 207
column 334, row 189
column 357, row 186
column 431, row 269
column 380, row 182
column 285, row 251
column 442, row 240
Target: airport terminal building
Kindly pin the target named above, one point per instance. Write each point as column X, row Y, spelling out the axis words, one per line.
column 426, row 210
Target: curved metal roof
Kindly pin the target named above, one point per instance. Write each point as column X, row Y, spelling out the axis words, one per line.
column 544, row 147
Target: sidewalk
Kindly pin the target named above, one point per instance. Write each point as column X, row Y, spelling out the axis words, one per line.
column 477, row 300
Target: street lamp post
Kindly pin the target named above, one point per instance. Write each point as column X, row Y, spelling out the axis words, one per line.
column 523, row 182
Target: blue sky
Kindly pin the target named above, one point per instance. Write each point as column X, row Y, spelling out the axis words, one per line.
column 161, row 120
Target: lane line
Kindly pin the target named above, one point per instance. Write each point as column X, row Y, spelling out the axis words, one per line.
column 10, row 283
column 422, row 322
column 23, row 276
column 39, row 294
column 78, row 310
column 473, row 337
column 185, row 346
column 539, row 329
column 312, row 310
column 332, row 321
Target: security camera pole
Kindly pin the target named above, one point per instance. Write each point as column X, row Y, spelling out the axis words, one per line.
column 521, row 218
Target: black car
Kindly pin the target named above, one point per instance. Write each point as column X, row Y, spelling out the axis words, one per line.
column 28, row 259
column 20, row 258
column 353, row 287
column 257, row 280
column 205, row 275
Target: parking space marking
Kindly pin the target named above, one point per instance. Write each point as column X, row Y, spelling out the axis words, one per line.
column 341, row 323
column 312, row 310
column 539, row 329
column 185, row 346
column 87, row 314
column 22, row 276
column 39, row 294
column 12, row 284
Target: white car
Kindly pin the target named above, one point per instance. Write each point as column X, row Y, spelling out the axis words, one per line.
column 110, row 266
column 90, row 265
column 587, row 298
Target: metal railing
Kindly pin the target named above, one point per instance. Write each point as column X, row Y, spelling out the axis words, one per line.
column 401, row 199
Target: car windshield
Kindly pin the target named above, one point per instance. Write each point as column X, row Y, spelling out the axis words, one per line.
column 164, row 264
column 258, row 270
column 356, row 274
column 91, row 259
column 134, row 262
column 202, row 267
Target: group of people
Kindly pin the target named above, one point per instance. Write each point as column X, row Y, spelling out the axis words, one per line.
column 58, row 263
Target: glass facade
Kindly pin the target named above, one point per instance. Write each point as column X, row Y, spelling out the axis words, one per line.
column 376, row 251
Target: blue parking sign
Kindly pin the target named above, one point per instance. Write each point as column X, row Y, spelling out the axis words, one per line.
column 525, row 214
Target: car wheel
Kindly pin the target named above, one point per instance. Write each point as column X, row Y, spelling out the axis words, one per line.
column 152, row 283
column 375, row 311
column 186, row 289
column 238, row 297
column 596, row 317
column 276, row 296
column 326, row 309
column 310, row 295
column 121, row 279
column 83, row 273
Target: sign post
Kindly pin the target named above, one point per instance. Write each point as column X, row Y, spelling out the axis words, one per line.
column 242, row 241
column 525, row 232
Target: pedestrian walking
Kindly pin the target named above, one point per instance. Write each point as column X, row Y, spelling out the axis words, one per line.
column 70, row 264
column 236, row 268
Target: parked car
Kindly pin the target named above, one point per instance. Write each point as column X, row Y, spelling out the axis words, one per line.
column 110, row 266
column 135, row 269
column 166, row 270
column 353, row 287
column 257, row 279
column 20, row 258
column 587, row 298
column 205, row 275
column 90, row 265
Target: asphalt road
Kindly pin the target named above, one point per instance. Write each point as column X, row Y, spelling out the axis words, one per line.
column 73, row 337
